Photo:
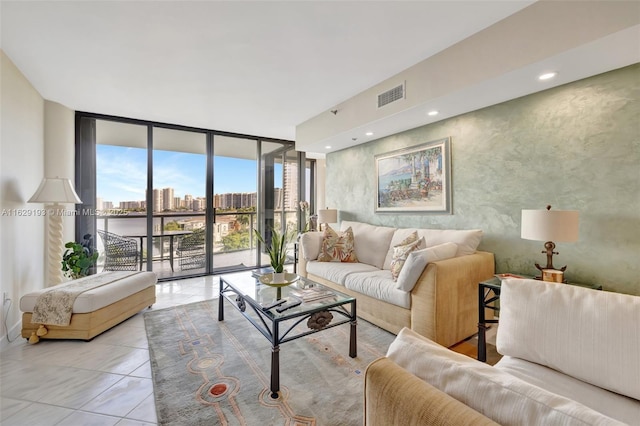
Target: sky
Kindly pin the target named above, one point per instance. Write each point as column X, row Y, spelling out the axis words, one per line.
column 122, row 173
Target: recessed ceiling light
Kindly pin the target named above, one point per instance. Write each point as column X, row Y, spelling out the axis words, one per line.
column 547, row 76
column 327, row 147
column 369, row 133
column 432, row 113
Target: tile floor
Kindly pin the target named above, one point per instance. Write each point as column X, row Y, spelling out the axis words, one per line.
column 104, row 382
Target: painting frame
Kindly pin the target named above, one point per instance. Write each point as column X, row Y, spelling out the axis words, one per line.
column 415, row 179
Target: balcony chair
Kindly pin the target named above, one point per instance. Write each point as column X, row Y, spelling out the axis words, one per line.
column 191, row 251
column 121, row 254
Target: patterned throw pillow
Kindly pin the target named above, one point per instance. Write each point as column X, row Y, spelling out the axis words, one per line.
column 337, row 247
column 400, row 253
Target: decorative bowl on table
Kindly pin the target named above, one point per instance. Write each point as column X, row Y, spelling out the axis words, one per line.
column 268, row 279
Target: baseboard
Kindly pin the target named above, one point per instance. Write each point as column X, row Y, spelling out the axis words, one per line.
column 14, row 333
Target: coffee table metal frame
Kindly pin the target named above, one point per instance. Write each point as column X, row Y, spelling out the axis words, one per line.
column 269, row 322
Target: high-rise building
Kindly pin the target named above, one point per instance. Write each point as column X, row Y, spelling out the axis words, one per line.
column 199, row 204
column 157, row 200
column 167, row 199
column 188, row 201
column 290, row 195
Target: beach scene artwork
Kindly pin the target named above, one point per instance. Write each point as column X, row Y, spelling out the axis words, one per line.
column 415, row 179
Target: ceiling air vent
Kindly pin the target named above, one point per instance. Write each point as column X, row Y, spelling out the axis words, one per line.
column 391, row 95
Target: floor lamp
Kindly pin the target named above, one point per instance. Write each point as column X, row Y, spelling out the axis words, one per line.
column 54, row 192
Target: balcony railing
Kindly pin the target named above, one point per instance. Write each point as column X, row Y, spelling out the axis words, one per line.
column 234, row 245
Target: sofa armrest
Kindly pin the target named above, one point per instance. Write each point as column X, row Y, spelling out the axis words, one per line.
column 393, row 396
column 444, row 301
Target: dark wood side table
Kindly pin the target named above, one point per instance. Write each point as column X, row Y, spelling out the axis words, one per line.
column 488, row 295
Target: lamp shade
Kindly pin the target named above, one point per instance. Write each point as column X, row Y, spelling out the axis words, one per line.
column 55, row 190
column 550, row 225
column 328, row 216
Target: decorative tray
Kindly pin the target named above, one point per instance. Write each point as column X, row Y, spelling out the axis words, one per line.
column 289, row 278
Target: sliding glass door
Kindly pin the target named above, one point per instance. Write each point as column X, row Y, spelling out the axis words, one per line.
column 178, row 203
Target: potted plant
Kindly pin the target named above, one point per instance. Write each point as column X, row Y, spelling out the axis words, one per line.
column 277, row 252
column 78, row 258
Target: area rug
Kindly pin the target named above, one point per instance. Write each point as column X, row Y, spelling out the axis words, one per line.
column 207, row 372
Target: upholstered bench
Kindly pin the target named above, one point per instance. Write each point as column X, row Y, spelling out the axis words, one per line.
column 118, row 297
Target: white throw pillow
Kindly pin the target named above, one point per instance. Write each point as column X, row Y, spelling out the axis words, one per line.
column 311, row 243
column 588, row 334
column 418, row 260
column 467, row 240
column 496, row 394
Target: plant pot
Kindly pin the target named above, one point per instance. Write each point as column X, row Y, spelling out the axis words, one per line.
column 278, row 277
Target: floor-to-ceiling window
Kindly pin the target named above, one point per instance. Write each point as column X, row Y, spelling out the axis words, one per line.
column 181, row 201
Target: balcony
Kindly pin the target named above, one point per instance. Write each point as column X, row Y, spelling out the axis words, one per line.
column 234, row 244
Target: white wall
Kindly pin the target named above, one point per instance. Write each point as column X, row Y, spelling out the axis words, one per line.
column 59, row 153
column 22, row 235
column 36, row 141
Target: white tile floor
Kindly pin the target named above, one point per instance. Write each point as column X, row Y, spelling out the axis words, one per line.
column 104, row 382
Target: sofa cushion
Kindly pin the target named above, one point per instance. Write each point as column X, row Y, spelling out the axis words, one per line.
column 310, row 244
column 418, row 260
column 378, row 284
column 490, row 391
column 400, row 253
column 337, row 247
column 610, row 404
column 466, row 240
column 371, row 242
column 591, row 335
column 337, row 272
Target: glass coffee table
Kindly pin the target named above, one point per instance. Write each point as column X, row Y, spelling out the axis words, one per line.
column 278, row 310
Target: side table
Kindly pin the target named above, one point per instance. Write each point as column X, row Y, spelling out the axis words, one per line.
column 488, row 294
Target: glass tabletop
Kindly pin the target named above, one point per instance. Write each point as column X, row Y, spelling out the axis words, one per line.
column 495, row 282
column 314, row 296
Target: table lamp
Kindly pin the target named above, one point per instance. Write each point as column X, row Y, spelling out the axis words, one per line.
column 327, row 216
column 55, row 191
column 549, row 226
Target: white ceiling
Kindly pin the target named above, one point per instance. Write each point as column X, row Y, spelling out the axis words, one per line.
column 257, row 68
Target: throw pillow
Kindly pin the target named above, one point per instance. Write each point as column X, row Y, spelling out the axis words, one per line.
column 418, row 260
column 337, row 247
column 400, row 253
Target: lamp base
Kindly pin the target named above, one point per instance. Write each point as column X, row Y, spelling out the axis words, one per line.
column 549, row 251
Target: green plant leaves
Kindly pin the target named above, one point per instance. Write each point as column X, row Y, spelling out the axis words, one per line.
column 76, row 260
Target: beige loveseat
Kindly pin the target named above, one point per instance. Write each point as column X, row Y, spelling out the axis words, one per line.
column 442, row 304
column 570, row 357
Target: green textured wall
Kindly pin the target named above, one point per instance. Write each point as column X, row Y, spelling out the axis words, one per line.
column 576, row 147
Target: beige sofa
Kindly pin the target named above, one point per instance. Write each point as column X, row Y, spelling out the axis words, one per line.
column 443, row 303
column 570, row 357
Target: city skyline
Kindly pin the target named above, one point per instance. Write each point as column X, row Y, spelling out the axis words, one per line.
column 122, row 173
column 188, row 202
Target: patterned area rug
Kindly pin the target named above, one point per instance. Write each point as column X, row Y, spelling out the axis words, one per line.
column 207, row 372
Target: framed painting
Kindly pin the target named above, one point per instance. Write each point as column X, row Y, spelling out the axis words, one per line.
column 415, row 179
